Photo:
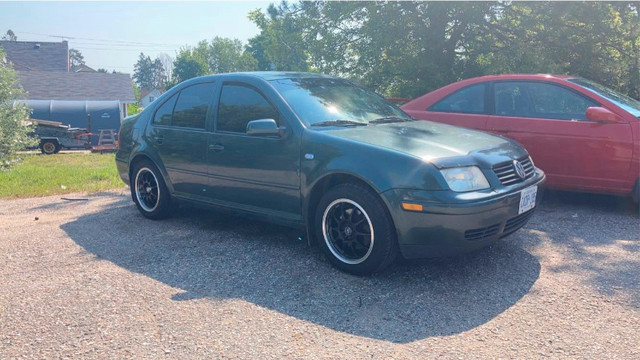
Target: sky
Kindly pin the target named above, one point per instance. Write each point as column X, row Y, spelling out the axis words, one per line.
column 112, row 34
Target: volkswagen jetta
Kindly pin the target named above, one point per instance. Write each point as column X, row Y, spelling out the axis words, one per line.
column 365, row 180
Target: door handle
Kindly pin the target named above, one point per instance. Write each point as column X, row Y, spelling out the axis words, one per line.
column 159, row 139
column 216, row 147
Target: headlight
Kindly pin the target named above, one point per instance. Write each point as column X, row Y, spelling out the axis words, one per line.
column 466, row 178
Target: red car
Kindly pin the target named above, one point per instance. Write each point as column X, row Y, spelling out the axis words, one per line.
column 585, row 136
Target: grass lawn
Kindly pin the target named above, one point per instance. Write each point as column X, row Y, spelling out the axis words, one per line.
column 42, row 175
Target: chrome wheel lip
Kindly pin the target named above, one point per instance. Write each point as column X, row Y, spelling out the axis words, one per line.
column 49, row 147
column 327, row 240
column 141, row 202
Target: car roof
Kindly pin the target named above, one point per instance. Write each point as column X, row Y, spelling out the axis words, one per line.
column 519, row 76
column 270, row 75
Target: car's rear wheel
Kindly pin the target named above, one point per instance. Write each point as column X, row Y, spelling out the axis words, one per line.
column 149, row 191
column 355, row 230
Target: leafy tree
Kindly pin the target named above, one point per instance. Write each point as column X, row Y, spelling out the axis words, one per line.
column 13, row 131
column 280, row 45
column 10, row 36
column 220, row 55
column 75, row 58
column 103, row 70
column 226, row 55
column 409, row 48
column 188, row 64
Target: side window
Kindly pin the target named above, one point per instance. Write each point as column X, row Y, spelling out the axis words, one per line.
column 240, row 104
column 511, row 99
column 539, row 100
column 163, row 114
column 191, row 107
column 469, row 100
column 555, row 102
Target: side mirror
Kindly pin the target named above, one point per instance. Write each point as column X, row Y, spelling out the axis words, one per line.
column 602, row 115
column 264, row 127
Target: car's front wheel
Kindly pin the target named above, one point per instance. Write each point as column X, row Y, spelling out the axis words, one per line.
column 355, row 230
column 149, row 191
column 49, row 147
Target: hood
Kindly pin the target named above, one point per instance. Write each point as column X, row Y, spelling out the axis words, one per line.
column 427, row 140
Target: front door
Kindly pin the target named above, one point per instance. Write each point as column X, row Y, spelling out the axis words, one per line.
column 255, row 173
column 549, row 121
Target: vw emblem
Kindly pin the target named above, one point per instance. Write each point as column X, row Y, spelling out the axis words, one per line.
column 517, row 166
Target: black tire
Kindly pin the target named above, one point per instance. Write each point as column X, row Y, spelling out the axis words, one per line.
column 354, row 230
column 49, row 147
column 149, row 191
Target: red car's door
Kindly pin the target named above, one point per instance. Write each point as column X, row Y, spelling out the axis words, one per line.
column 549, row 121
column 464, row 107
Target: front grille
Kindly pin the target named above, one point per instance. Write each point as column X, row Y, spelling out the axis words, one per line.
column 516, row 223
column 482, row 234
column 506, row 172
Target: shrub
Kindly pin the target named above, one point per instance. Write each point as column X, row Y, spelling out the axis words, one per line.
column 14, row 131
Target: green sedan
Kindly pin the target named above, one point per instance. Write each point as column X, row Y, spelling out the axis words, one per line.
column 365, row 180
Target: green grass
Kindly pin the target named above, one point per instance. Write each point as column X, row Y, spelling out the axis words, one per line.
column 43, row 175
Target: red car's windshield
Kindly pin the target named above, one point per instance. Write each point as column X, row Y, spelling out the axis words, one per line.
column 629, row 104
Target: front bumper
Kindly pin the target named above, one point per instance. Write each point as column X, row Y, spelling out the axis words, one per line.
column 460, row 224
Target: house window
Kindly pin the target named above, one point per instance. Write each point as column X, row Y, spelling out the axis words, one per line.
column 151, row 98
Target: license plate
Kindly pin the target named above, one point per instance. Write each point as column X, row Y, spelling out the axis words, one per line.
column 528, row 199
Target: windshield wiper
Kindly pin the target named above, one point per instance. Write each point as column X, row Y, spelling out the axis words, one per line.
column 389, row 119
column 339, row 123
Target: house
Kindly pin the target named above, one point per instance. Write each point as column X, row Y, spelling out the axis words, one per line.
column 37, row 55
column 148, row 96
column 44, row 72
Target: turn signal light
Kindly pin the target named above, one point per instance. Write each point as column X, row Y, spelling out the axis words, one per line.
column 412, row 207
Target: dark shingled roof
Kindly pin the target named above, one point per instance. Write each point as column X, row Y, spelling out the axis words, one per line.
column 37, row 55
column 54, row 85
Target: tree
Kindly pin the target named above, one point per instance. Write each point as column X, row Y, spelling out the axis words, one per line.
column 103, row 70
column 75, row 58
column 280, row 45
column 143, row 72
column 13, row 132
column 10, row 36
column 188, row 64
column 225, row 55
column 410, row 48
column 149, row 74
column 159, row 74
column 220, row 55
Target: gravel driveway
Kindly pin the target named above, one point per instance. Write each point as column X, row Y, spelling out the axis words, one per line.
column 94, row 279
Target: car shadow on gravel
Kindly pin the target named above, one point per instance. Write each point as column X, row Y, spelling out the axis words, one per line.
column 219, row 257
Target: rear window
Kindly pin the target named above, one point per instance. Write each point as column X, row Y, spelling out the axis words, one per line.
column 163, row 114
column 469, row 100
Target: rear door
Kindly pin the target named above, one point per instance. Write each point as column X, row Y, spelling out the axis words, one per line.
column 465, row 107
column 549, row 121
column 179, row 136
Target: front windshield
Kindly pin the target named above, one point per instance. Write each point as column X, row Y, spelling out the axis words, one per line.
column 628, row 104
column 321, row 100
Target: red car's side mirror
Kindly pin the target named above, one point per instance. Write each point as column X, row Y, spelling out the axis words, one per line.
column 603, row 115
